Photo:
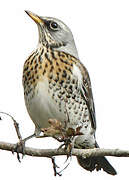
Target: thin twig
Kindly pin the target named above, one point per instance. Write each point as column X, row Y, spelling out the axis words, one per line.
column 16, row 125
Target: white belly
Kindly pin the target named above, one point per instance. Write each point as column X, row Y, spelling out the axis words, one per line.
column 42, row 106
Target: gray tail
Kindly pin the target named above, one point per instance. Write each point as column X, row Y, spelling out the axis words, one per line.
column 98, row 163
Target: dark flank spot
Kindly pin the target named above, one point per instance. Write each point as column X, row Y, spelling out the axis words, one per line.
column 32, row 76
column 51, row 68
column 69, row 107
column 73, row 81
column 28, row 73
column 53, row 55
column 33, row 80
column 65, row 86
column 41, row 53
column 61, row 82
column 54, row 84
column 70, row 87
column 32, row 60
column 57, row 63
column 36, row 66
column 29, row 78
column 31, row 69
column 49, row 82
column 63, row 61
column 25, row 69
column 56, row 80
column 71, row 64
column 72, row 102
column 64, row 74
column 63, row 92
column 68, row 82
column 28, row 62
column 76, row 87
column 44, row 71
column 37, row 77
column 35, row 61
column 50, row 76
column 47, row 46
column 66, row 67
column 73, row 96
column 35, row 71
column 40, row 59
column 46, row 55
column 86, row 126
column 46, row 65
column 69, row 69
column 75, row 112
column 67, row 55
column 84, row 103
column 68, row 96
column 68, row 78
column 57, row 73
column 50, row 86
column 80, row 102
column 59, row 69
column 27, row 82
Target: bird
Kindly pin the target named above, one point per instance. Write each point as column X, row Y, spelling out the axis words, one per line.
column 56, row 85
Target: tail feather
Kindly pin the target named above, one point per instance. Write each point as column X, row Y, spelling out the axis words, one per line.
column 97, row 163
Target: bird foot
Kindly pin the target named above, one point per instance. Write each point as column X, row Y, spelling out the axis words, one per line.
column 19, row 148
column 55, row 167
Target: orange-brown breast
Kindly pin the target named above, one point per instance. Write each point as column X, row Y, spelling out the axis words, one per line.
column 46, row 63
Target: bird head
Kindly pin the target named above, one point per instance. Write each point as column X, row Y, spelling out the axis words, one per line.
column 55, row 34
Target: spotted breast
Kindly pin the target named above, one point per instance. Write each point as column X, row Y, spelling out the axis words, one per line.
column 51, row 87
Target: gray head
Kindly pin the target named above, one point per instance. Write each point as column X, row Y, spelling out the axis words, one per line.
column 55, row 34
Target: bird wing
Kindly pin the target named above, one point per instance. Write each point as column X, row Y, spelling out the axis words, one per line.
column 86, row 92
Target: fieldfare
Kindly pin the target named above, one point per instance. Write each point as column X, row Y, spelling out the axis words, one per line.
column 57, row 86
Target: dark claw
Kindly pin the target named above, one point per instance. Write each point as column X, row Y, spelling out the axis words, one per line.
column 20, row 148
column 55, row 167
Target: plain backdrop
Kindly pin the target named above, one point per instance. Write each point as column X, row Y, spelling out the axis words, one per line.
column 101, row 32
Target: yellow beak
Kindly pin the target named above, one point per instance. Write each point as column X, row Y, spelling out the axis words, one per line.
column 35, row 17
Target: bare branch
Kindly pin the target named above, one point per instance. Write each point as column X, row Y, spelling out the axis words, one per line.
column 75, row 152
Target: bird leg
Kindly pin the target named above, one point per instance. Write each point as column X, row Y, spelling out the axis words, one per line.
column 20, row 146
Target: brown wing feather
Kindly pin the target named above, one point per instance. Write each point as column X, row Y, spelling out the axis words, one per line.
column 86, row 92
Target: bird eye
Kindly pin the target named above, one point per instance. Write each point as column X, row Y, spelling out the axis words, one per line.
column 53, row 25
